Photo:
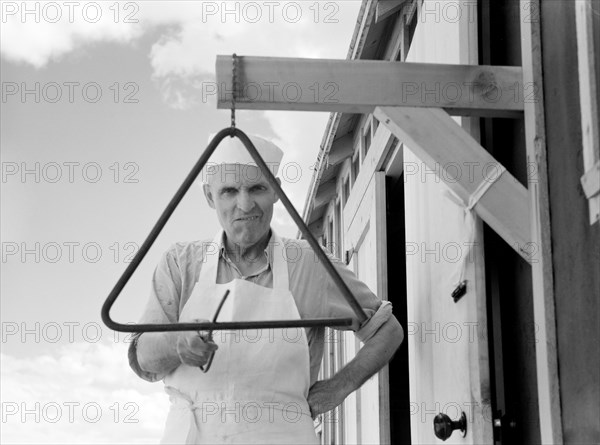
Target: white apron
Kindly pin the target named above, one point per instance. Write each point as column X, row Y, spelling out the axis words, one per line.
column 257, row 387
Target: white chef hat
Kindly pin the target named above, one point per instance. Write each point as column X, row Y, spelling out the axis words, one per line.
column 233, row 151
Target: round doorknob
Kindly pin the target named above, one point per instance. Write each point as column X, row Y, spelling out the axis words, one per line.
column 443, row 426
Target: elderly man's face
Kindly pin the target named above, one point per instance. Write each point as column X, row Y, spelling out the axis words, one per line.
column 244, row 202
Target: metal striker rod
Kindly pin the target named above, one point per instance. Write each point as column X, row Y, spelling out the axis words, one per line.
column 303, row 228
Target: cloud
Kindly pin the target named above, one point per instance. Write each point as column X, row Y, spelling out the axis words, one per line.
column 42, row 31
column 183, row 55
column 192, row 34
column 37, row 32
column 275, row 29
column 81, row 393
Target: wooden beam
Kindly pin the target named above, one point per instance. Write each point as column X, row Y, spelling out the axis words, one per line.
column 541, row 268
column 341, row 149
column 358, row 86
column 464, row 166
column 386, row 8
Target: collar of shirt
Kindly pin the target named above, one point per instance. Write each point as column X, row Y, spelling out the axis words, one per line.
column 268, row 252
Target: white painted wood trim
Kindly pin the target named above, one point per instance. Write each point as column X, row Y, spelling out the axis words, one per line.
column 542, row 274
column 375, row 157
column 590, row 182
column 588, row 95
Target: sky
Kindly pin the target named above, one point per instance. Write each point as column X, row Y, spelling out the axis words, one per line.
column 105, row 108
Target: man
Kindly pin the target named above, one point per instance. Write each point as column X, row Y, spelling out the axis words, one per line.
column 262, row 386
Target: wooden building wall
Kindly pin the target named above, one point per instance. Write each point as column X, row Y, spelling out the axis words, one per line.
column 446, row 341
column 476, row 355
column 575, row 243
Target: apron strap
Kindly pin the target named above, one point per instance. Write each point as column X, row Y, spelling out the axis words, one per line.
column 212, row 253
column 281, row 278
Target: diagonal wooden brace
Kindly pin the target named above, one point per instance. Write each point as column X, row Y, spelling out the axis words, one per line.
column 467, row 169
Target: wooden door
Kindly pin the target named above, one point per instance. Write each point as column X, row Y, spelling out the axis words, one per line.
column 448, row 352
column 447, row 341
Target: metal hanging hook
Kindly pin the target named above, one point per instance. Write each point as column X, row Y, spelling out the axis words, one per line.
column 234, row 60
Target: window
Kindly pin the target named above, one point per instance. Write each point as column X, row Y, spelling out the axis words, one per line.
column 366, row 142
column 338, row 232
column 330, row 236
column 345, row 191
column 411, row 21
column 355, row 166
column 409, row 17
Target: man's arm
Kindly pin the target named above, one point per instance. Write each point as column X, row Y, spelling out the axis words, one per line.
column 153, row 355
column 156, row 352
column 377, row 351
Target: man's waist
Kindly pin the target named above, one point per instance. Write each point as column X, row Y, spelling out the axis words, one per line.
column 247, row 409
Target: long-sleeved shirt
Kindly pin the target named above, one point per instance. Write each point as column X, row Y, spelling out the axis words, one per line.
column 315, row 293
